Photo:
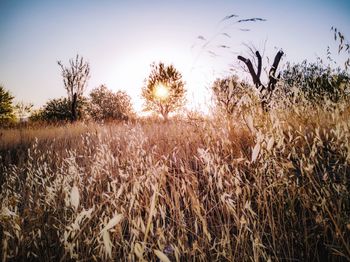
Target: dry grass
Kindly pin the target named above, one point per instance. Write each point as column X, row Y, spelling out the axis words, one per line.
column 271, row 187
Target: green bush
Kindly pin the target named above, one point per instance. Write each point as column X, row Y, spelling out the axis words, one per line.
column 60, row 110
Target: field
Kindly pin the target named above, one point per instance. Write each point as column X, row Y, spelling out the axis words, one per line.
column 268, row 186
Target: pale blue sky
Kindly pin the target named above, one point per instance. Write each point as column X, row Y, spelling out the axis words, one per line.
column 121, row 39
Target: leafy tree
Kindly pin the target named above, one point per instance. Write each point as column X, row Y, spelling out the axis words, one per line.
column 106, row 105
column 6, row 106
column 60, row 110
column 230, row 94
column 316, row 81
column 164, row 90
column 75, row 80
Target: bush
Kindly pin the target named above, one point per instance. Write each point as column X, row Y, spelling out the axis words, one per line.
column 232, row 95
column 317, row 81
column 60, row 110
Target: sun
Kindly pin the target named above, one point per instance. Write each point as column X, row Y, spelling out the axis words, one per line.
column 161, row 92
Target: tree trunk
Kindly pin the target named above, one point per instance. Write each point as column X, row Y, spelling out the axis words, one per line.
column 74, row 108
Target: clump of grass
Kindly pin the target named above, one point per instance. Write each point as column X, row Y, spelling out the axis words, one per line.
column 273, row 186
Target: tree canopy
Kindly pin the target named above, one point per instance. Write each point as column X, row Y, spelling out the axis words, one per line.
column 164, row 90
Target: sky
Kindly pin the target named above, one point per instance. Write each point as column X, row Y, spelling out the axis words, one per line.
column 120, row 39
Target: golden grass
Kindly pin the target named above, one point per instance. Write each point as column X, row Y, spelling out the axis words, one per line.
column 269, row 187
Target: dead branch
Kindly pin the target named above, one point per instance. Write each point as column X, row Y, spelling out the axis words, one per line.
column 265, row 92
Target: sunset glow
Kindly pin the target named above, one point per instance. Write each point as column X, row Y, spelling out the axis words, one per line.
column 161, row 92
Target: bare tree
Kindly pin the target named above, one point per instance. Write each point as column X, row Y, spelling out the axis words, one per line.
column 265, row 91
column 75, row 78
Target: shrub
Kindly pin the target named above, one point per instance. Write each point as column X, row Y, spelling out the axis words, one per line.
column 60, row 110
column 233, row 96
column 317, row 81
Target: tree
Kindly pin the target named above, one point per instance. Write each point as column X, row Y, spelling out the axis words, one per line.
column 106, row 105
column 6, row 106
column 75, row 79
column 230, row 93
column 164, row 90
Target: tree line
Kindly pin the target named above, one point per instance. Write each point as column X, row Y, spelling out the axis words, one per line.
column 315, row 81
column 101, row 104
column 164, row 90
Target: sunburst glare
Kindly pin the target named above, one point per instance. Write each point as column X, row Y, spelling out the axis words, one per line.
column 161, row 92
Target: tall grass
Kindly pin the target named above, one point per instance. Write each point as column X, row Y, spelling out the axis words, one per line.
column 268, row 186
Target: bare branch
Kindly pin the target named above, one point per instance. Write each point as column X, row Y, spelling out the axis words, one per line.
column 265, row 96
column 272, row 78
column 259, row 63
column 249, row 64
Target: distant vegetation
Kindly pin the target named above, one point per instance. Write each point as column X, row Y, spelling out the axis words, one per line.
column 102, row 104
